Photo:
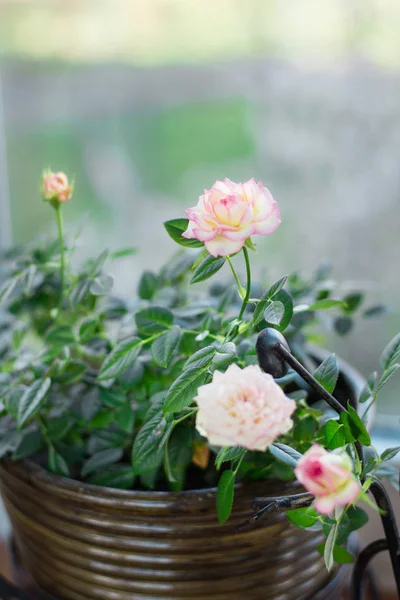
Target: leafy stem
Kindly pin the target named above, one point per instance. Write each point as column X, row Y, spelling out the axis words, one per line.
column 239, row 285
column 244, row 293
column 248, row 284
column 44, row 432
column 62, row 248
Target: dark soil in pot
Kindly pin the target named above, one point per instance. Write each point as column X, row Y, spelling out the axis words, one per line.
column 81, row 542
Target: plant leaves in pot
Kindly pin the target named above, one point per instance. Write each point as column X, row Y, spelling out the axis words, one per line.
column 139, row 437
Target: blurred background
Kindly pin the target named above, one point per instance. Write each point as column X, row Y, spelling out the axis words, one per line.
column 148, row 102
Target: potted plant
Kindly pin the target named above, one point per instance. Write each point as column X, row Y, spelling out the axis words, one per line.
column 137, row 436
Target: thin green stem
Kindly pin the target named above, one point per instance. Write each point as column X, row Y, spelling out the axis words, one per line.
column 240, row 462
column 44, row 431
column 62, row 249
column 240, row 287
column 248, row 284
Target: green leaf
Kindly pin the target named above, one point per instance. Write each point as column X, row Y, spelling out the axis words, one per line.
column 180, row 265
column 326, row 304
column 225, row 494
column 70, row 372
column 88, row 329
column 274, row 312
column 119, row 477
column 340, row 555
column 207, row 268
column 164, row 347
column 100, row 460
column 183, row 390
column 30, row 444
column 201, row 359
column 58, row 427
column 285, row 454
column 178, row 456
column 369, row 388
column 354, row 518
column 153, row 319
column 303, row 517
column 250, row 245
column 353, row 301
column 121, row 357
column 147, row 285
column 354, row 427
column 148, row 447
column 32, row 400
column 123, row 253
column 375, row 311
column 258, row 314
column 175, row 228
column 334, row 434
column 343, row 325
column 276, row 287
column 102, row 419
column 305, row 430
column 8, row 288
column 368, row 466
column 228, row 454
column 103, row 439
column 112, row 397
column 60, row 336
column 391, row 353
column 390, row 453
column 327, row 373
column 225, row 354
column 329, row 546
column 284, row 298
column 94, row 267
column 387, row 374
column 125, row 418
column 57, row 464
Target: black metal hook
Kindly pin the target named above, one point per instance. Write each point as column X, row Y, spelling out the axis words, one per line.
column 274, row 357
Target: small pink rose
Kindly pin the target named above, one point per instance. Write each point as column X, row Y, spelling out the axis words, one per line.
column 56, row 187
column 229, row 213
column 329, row 477
column 243, row 407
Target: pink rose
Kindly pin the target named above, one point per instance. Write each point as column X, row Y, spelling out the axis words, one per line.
column 55, row 186
column 243, row 407
column 228, row 214
column 329, row 477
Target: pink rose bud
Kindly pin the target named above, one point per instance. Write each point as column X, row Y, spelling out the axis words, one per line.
column 55, row 187
column 243, row 407
column 228, row 214
column 329, row 477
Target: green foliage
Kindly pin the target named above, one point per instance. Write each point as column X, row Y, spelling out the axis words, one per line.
column 175, row 228
column 183, row 390
column 164, row 346
column 327, row 373
column 334, row 434
column 303, row 517
column 354, row 428
column 207, row 268
column 391, row 353
column 105, row 388
column 225, row 494
column 120, row 358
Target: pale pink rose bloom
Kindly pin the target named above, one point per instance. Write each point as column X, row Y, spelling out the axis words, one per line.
column 243, row 407
column 329, row 477
column 55, row 186
column 229, row 213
